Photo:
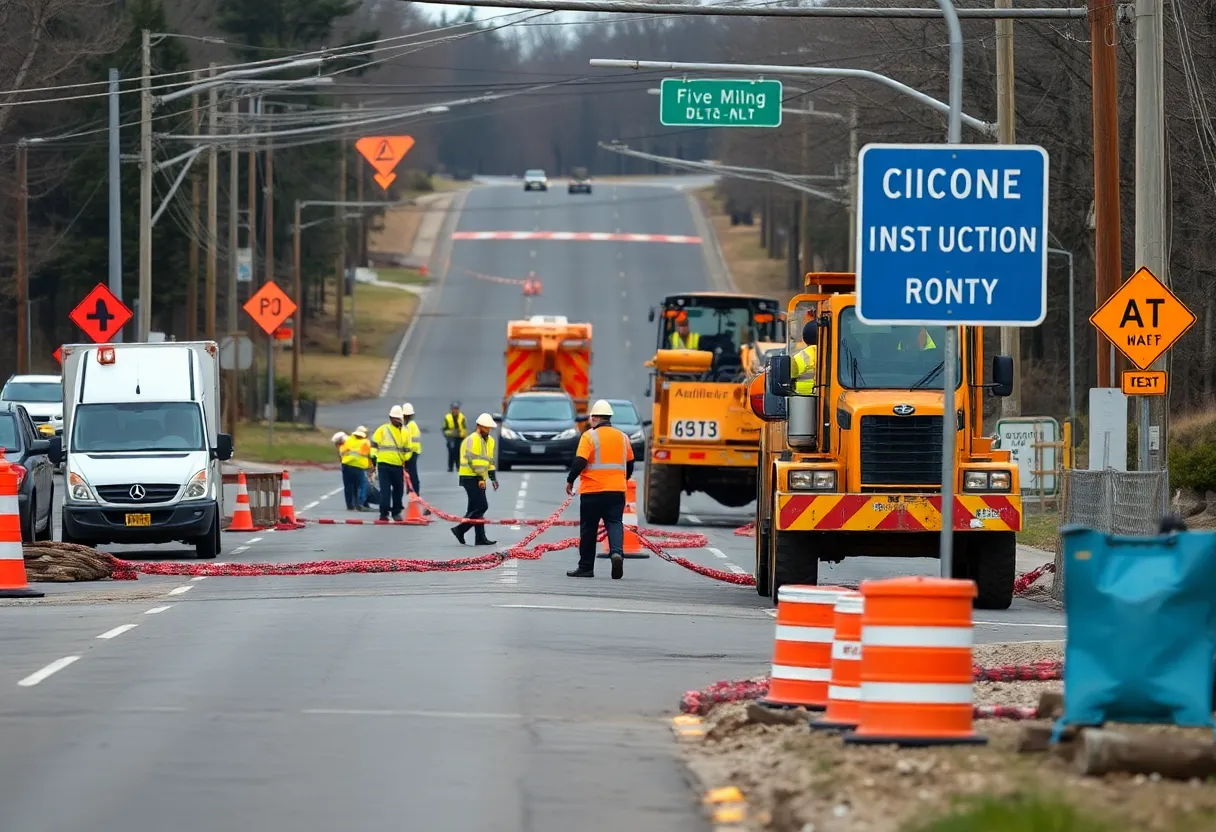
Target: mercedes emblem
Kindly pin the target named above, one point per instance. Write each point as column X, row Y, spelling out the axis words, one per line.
column 137, row 492
column 903, row 410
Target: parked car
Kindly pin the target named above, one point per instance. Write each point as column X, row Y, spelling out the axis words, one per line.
column 538, row 429
column 580, row 182
column 35, row 458
column 535, row 180
column 42, row 397
column 625, row 417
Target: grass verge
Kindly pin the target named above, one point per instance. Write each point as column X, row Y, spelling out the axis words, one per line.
column 292, row 444
column 408, row 276
column 750, row 266
column 1039, row 529
column 1019, row 813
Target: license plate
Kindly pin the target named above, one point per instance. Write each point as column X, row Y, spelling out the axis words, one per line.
column 139, row 519
column 693, row 429
column 538, row 449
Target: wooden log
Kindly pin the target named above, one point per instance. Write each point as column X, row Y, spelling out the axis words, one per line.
column 1051, row 704
column 1035, row 738
column 1104, row 752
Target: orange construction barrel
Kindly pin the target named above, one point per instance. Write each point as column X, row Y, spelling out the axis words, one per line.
column 844, row 689
column 802, row 650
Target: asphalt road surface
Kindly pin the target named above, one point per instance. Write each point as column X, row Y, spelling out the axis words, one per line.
column 506, row 699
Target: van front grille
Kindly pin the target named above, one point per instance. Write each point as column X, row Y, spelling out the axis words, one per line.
column 153, row 493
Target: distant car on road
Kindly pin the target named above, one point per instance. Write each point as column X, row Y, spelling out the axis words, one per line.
column 580, row 182
column 42, row 397
column 535, row 180
column 538, row 429
column 625, row 417
column 34, row 458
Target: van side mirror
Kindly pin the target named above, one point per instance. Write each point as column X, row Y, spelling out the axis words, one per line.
column 40, row 446
column 497, row 417
column 223, row 447
column 778, row 374
column 647, row 423
column 1002, row 376
column 650, row 317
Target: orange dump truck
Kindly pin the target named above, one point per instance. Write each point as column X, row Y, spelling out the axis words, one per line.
column 547, row 352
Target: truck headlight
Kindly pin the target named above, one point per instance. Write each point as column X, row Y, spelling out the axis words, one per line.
column 568, row 433
column 985, row 480
column 79, row 489
column 507, row 433
column 812, row 480
column 196, row 489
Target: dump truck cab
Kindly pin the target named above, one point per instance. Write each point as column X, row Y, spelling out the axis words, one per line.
column 855, row 467
column 547, row 352
column 705, row 437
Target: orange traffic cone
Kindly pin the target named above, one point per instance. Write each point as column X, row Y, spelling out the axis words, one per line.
column 527, row 287
column 423, row 270
column 287, row 506
column 633, row 543
column 413, row 513
column 536, row 287
column 242, row 517
column 12, row 559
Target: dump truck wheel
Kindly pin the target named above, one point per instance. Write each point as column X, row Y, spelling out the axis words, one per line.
column 794, row 561
column 993, row 561
column 763, row 587
column 663, row 484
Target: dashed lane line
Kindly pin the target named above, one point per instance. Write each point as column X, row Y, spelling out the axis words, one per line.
column 156, row 610
column 718, row 553
column 178, row 590
column 117, row 631
column 736, row 569
column 48, row 671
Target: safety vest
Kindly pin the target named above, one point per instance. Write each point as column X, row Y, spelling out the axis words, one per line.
column 694, row 341
column 606, row 450
column 392, row 444
column 802, row 370
column 414, row 438
column 454, row 428
column 928, row 345
column 476, row 456
column 356, row 452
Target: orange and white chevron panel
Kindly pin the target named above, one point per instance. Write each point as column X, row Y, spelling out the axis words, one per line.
column 896, row 512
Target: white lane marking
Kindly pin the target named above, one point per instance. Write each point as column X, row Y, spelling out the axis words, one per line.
column 718, row 553
column 736, row 569
column 1019, row 624
column 515, row 528
column 117, row 631
column 771, row 613
column 199, row 578
column 532, row 253
column 519, row 505
column 313, row 504
column 692, row 518
column 48, row 671
column 239, row 549
column 624, row 318
column 621, row 274
column 178, row 590
column 509, row 573
column 155, row 610
column 596, row 609
column 254, row 540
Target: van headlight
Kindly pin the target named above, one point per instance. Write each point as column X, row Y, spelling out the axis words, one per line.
column 507, row 433
column 637, row 435
column 812, row 480
column 196, row 489
column 79, row 490
column 986, row 480
column 568, row 433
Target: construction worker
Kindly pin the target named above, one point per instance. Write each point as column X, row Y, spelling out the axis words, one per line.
column 802, row 365
column 414, row 448
column 682, row 339
column 923, row 341
column 356, row 460
column 391, row 442
column 454, row 431
column 602, row 464
column 477, row 468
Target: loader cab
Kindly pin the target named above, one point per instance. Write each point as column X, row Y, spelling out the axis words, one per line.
column 718, row 323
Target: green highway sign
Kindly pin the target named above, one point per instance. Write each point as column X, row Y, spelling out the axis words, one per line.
column 713, row 102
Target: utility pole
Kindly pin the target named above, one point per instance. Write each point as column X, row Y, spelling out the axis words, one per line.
column 209, row 290
column 195, row 199
column 297, row 294
column 252, row 195
column 145, row 189
column 23, row 276
column 115, row 175
column 234, row 221
column 1150, row 204
column 854, row 150
column 340, row 262
column 1107, row 261
column 1011, row 337
column 268, row 273
column 804, row 225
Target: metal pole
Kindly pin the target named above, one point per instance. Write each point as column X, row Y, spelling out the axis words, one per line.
column 298, row 296
column 115, row 272
column 252, row 197
column 854, row 150
column 1072, row 346
column 195, row 201
column 340, row 261
column 145, row 189
column 1150, row 198
column 23, row 276
column 1103, row 36
column 949, row 419
column 269, row 273
column 270, row 403
column 234, row 221
column 1011, row 337
column 209, row 289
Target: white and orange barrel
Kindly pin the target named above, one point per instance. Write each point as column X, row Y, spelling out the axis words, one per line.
column 844, row 687
column 802, row 652
column 13, row 582
column 916, row 676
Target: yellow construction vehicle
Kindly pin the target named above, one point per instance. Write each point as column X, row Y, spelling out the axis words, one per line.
column 705, row 437
column 855, row 469
column 547, row 352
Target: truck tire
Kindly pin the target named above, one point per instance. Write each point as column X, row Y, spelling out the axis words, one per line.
column 49, row 532
column 663, row 484
column 992, row 559
column 64, row 537
column 208, row 546
column 794, row 561
column 763, row 557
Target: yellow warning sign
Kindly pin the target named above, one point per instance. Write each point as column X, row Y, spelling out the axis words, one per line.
column 1145, row 382
column 384, row 153
column 1143, row 318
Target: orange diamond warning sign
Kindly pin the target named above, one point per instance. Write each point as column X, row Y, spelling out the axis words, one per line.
column 384, row 153
column 1143, row 318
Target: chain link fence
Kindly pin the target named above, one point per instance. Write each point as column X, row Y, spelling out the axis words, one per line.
column 1114, row 502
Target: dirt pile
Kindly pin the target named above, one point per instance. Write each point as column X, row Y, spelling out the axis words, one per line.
column 52, row 562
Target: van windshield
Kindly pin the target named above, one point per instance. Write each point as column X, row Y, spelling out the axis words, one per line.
column 166, row 426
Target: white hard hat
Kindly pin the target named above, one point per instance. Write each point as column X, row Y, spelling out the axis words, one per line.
column 407, row 409
column 394, row 412
column 485, row 420
column 338, row 437
column 601, row 408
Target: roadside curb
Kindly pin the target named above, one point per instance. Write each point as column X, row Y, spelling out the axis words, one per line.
column 711, row 248
column 724, row 806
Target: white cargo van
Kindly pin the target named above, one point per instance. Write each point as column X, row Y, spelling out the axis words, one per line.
column 142, row 448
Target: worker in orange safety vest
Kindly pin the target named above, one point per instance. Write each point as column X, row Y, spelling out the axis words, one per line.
column 602, row 465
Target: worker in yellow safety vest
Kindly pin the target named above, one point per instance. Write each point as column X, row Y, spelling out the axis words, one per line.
column 803, row 363
column 454, row 432
column 602, row 464
column 356, row 460
column 414, row 446
column 476, row 469
column 391, row 442
column 923, row 340
column 682, row 338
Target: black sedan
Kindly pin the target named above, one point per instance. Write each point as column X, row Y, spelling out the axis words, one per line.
column 35, row 459
column 538, row 429
column 625, row 417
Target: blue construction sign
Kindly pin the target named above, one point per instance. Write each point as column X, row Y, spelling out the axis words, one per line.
column 952, row 234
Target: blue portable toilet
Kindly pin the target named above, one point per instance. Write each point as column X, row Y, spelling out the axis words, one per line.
column 1141, row 615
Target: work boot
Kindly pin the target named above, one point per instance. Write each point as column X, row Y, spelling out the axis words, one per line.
column 383, row 518
column 397, row 518
column 618, row 566
column 581, row 573
column 458, row 536
column 485, row 542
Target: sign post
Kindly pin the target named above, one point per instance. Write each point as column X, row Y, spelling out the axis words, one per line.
column 951, row 235
column 719, row 102
column 101, row 314
column 384, row 153
column 269, row 307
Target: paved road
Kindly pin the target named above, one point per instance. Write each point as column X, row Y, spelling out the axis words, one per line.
column 511, row 699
